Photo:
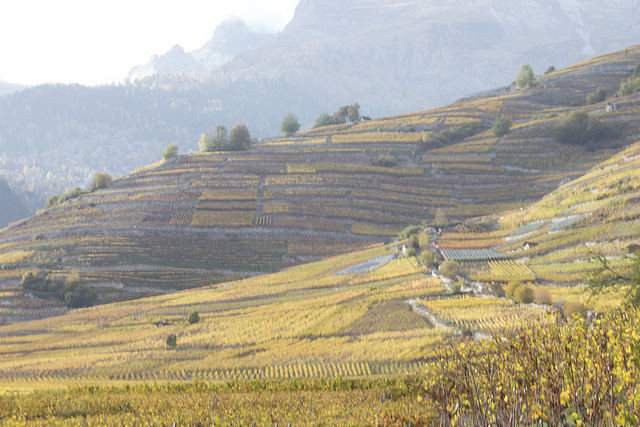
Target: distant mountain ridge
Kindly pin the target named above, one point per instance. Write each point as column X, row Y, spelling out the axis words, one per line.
column 390, row 56
column 9, row 88
column 393, row 56
column 13, row 206
column 229, row 38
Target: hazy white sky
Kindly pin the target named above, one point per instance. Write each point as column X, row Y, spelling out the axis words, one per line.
column 98, row 41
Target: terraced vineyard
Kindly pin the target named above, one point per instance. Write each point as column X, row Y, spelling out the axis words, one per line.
column 199, row 219
column 556, row 241
column 349, row 316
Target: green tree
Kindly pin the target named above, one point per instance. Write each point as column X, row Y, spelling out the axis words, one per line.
column 206, row 142
column 598, row 96
column 172, row 341
column 353, row 112
column 170, row 151
column 52, row 201
column 77, row 293
column 194, row 317
column 605, row 277
column 550, row 70
column 28, row 279
column 100, row 180
column 502, row 126
column 240, row 138
column 525, row 76
column 70, row 194
column 290, row 124
column 323, row 120
column 449, row 269
column 441, row 219
column 220, row 138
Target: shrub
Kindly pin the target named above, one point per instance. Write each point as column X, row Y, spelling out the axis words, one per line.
column 100, row 180
column 170, row 151
column 512, row 291
column 172, row 341
column 550, row 70
column 77, row 293
column 28, row 280
column 519, row 292
column 194, row 317
column 411, row 252
column 450, row 136
column 52, row 201
column 523, row 294
column 74, row 193
column 456, row 288
column 598, row 96
column 449, row 269
column 409, row 231
column 386, row 162
column 429, row 258
column 542, row 296
column 415, row 242
column 584, row 375
column 575, row 308
column 502, row 126
column 630, row 86
column 497, row 290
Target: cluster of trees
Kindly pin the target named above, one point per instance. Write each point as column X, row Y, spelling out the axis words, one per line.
column 221, row 140
column 419, row 245
column 74, row 291
column 632, row 85
column 346, row 114
column 579, row 128
column 100, row 180
column 598, row 96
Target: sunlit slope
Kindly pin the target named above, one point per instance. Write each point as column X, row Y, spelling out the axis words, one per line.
column 356, row 315
column 208, row 218
column 559, row 237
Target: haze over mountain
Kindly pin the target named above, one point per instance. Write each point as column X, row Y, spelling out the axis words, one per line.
column 13, row 206
column 229, row 38
column 391, row 56
column 7, row 88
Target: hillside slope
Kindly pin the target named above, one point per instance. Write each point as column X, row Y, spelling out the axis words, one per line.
column 364, row 314
column 206, row 218
column 557, row 240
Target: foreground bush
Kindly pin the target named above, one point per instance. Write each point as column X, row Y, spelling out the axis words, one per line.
column 553, row 374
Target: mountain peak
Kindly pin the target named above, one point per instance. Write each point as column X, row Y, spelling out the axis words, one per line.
column 230, row 37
